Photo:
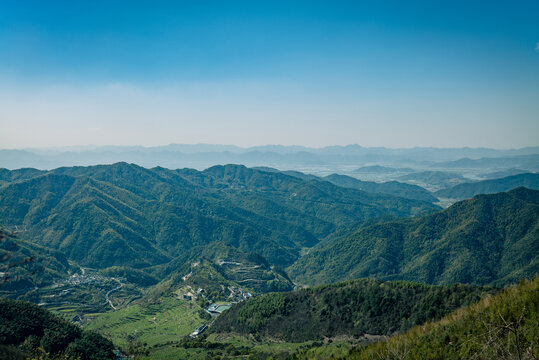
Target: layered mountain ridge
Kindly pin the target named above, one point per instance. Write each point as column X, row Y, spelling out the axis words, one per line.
column 123, row 214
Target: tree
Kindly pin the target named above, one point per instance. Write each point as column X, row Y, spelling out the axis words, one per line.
column 7, row 246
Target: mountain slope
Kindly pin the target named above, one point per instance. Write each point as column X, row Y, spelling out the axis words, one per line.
column 474, row 241
column 28, row 331
column 351, row 308
column 468, row 190
column 528, row 162
column 126, row 215
column 504, row 326
column 391, row 187
column 26, row 265
column 394, row 188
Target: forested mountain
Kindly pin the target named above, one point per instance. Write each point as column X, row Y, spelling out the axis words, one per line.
column 25, row 265
column 126, row 215
column 351, row 308
column 490, row 239
column 468, row 190
column 30, row 332
column 394, row 188
column 391, row 187
column 7, row 176
column 219, row 265
column 503, row 326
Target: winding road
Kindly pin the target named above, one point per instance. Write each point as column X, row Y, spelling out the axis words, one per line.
column 120, row 284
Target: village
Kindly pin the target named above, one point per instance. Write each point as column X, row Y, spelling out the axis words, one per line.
column 67, row 291
column 215, row 308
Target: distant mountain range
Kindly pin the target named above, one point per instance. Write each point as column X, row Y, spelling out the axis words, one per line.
column 434, row 178
column 391, row 187
column 528, row 162
column 468, row 190
column 377, row 169
column 503, row 173
column 490, row 239
column 394, row 188
column 202, row 156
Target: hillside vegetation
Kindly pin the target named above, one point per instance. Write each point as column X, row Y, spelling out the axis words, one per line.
column 391, row 187
column 351, row 308
column 394, row 188
column 468, row 190
column 28, row 331
column 25, row 265
column 126, row 215
column 501, row 327
column 490, row 239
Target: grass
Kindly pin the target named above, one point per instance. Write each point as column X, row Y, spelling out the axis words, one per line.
column 157, row 324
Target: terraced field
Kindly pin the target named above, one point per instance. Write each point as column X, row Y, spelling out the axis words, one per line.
column 149, row 326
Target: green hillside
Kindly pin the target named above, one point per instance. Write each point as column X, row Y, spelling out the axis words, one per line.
column 474, row 241
column 391, row 187
column 468, row 190
column 351, row 308
column 504, row 326
column 25, row 265
column 126, row 215
column 394, row 188
column 7, row 176
column 28, row 331
column 219, row 266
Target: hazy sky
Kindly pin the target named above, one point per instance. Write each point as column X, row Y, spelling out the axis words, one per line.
column 315, row 73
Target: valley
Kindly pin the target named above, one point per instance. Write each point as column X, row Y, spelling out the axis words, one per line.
column 269, row 180
column 231, row 261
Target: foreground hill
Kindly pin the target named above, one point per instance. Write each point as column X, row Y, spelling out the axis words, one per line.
column 490, row 239
column 351, row 308
column 28, row 331
column 500, row 327
column 127, row 215
column 468, row 190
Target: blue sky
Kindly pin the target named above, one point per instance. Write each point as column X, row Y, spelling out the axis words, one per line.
column 316, row 73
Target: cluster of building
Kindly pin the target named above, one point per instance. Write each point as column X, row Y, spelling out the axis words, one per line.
column 77, row 279
column 238, row 295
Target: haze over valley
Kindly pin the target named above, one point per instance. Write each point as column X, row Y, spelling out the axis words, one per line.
column 269, row 180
